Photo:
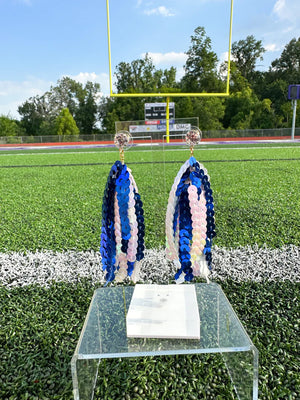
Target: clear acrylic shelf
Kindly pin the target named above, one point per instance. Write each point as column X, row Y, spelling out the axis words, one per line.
column 104, row 336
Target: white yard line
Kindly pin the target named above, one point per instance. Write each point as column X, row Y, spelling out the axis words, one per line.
column 148, row 151
column 242, row 264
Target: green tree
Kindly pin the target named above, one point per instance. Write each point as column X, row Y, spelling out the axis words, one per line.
column 66, row 94
column 38, row 114
column 109, row 118
column 276, row 91
column 184, row 107
column 287, row 66
column 210, row 111
column 47, row 127
column 139, row 76
column 32, row 114
column 239, row 109
column 82, row 102
column 245, row 54
column 274, row 83
column 201, row 65
column 238, row 83
column 287, row 112
column 65, row 123
column 263, row 116
column 244, row 110
column 168, row 79
column 86, row 115
column 201, row 76
column 9, row 127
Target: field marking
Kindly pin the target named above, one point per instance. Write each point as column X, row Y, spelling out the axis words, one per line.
column 259, row 264
column 148, row 151
column 146, row 162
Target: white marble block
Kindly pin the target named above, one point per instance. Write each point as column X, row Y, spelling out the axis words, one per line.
column 163, row 311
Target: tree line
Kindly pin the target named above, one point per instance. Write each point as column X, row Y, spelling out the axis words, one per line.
column 258, row 99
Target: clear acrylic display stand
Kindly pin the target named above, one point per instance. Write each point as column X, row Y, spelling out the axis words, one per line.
column 104, row 336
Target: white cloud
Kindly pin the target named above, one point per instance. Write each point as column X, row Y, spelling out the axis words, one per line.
column 224, row 57
column 171, row 58
column 167, row 60
column 272, row 47
column 279, row 6
column 161, row 10
column 102, row 78
column 83, row 77
column 14, row 93
column 287, row 10
column 179, row 73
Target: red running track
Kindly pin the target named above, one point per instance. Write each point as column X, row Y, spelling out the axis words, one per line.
column 254, row 139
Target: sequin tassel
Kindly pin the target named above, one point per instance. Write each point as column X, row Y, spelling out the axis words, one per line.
column 190, row 225
column 122, row 232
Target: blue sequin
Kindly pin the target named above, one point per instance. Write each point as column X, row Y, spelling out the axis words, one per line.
column 192, row 161
column 195, row 180
column 139, row 256
column 185, row 240
column 118, row 182
column 183, row 232
column 193, row 175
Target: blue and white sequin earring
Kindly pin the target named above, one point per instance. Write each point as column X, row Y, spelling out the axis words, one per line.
column 122, row 232
column 190, row 224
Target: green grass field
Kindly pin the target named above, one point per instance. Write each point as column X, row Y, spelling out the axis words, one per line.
column 51, row 200
column 59, row 207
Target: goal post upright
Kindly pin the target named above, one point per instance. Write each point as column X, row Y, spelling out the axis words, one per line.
column 168, row 119
column 109, row 51
column 229, row 49
column 174, row 94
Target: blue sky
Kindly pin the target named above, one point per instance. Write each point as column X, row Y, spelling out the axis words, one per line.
column 44, row 40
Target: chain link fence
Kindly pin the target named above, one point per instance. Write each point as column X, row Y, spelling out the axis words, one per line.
column 276, row 132
column 212, row 134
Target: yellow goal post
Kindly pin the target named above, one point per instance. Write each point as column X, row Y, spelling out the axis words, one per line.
column 168, row 95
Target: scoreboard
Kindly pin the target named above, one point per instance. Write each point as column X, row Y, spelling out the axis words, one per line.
column 158, row 111
column 294, row 92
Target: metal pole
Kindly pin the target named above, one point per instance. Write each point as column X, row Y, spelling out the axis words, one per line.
column 229, row 49
column 109, row 52
column 294, row 119
column 168, row 120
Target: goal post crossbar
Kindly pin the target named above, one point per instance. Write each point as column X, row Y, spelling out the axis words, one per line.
column 176, row 94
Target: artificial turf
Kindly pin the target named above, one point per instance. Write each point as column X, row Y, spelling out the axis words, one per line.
column 256, row 193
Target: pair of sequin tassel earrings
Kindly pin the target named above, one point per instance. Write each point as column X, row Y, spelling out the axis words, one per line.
column 190, row 225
